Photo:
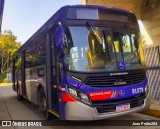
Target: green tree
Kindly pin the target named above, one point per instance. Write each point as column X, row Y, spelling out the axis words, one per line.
column 8, row 46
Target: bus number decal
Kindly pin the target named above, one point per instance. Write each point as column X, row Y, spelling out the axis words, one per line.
column 138, row 90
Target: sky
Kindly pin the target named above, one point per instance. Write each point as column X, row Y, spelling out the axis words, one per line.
column 25, row 17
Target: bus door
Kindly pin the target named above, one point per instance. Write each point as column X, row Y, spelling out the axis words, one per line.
column 51, row 81
column 55, row 75
column 23, row 74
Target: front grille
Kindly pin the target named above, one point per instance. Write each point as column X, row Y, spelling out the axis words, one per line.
column 104, row 106
column 128, row 79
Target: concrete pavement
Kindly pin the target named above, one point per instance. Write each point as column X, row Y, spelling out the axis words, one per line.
column 154, row 109
column 15, row 109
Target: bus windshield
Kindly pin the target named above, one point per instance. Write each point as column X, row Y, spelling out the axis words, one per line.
column 92, row 49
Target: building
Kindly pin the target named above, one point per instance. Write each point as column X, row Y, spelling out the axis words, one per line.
column 147, row 11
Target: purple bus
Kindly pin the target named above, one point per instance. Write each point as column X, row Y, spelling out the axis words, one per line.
column 85, row 63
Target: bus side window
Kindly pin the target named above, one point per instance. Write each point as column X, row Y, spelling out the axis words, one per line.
column 40, row 72
column 35, row 56
column 17, row 67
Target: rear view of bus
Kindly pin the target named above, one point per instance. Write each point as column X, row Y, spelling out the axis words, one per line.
column 84, row 63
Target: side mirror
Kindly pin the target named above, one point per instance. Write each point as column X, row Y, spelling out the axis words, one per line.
column 59, row 36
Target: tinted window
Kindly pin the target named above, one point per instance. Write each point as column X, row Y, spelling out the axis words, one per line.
column 35, row 56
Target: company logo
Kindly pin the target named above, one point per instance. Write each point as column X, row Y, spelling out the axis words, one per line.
column 6, row 123
column 121, row 92
column 114, row 93
column 120, row 83
column 112, row 74
column 121, row 65
column 100, row 94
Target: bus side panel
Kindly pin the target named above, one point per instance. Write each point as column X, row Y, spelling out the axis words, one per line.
column 35, row 70
column 34, row 79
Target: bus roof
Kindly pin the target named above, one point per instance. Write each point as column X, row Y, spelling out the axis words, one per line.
column 60, row 12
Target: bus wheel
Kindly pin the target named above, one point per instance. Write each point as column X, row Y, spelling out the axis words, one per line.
column 42, row 101
column 19, row 97
column 43, row 105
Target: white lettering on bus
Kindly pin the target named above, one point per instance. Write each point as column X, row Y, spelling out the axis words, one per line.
column 100, row 93
column 137, row 90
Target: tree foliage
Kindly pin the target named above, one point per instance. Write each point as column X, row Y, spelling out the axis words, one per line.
column 8, row 46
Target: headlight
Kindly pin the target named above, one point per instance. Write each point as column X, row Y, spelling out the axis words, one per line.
column 72, row 92
column 84, row 97
column 79, row 95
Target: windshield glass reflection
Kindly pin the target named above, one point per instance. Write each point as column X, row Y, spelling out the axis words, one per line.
column 90, row 49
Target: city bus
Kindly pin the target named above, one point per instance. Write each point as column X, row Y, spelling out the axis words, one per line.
column 85, row 63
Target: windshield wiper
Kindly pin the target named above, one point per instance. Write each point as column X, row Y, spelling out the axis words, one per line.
column 95, row 32
column 113, row 46
column 105, row 41
column 121, row 47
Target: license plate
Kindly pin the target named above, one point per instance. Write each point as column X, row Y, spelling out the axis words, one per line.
column 122, row 107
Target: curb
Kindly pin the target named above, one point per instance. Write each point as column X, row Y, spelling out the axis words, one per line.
column 5, row 84
column 152, row 112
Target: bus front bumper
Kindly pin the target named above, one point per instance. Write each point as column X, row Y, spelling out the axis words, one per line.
column 78, row 111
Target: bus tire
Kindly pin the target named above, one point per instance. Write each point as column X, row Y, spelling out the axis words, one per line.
column 19, row 97
column 42, row 102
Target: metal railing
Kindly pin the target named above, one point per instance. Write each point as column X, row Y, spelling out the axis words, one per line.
column 152, row 55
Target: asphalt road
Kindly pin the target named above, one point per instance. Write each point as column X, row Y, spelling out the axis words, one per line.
column 12, row 109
